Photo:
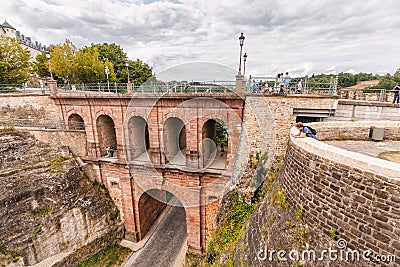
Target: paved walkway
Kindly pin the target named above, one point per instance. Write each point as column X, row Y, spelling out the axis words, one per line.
column 166, row 244
column 370, row 148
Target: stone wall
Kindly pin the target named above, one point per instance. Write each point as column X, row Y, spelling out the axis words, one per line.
column 355, row 130
column 44, row 106
column 355, row 195
column 48, row 207
column 364, row 110
column 266, row 124
column 150, row 209
column 75, row 140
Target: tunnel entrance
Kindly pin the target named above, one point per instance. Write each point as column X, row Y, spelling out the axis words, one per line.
column 165, row 236
column 107, row 136
column 214, row 144
column 75, row 122
column 138, row 138
column 175, row 141
column 152, row 204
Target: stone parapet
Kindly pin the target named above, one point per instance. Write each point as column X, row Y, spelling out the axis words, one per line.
column 354, row 195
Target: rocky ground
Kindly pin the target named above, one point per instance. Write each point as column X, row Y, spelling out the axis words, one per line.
column 47, row 205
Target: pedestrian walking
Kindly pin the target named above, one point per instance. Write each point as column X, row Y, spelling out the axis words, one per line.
column 396, row 90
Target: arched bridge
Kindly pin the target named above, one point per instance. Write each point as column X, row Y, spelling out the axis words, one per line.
column 146, row 147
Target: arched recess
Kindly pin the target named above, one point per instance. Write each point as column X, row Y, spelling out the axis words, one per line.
column 76, row 122
column 174, row 136
column 138, row 137
column 214, row 144
column 106, row 134
column 152, row 203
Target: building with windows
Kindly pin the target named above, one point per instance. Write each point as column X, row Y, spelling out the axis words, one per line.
column 34, row 47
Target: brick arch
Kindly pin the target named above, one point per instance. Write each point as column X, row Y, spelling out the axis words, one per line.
column 213, row 155
column 76, row 122
column 137, row 113
column 77, row 112
column 138, row 138
column 174, row 138
column 103, row 112
column 106, row 133
column 150, row 206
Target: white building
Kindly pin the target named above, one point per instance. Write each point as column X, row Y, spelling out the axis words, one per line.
column 34, row 48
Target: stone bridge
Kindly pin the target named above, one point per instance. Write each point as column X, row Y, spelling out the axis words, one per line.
column 147, row 148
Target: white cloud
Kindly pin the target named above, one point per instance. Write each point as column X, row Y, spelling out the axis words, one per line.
column 302, row 37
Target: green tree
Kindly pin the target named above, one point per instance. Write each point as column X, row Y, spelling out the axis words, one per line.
column 89, row 69
column 116, row 55
column 15, row 67
column 41, row 65
column 139, row 72
column 63, row 61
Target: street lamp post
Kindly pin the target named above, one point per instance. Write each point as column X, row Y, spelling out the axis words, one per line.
column 241, row 42
column 107, row 71
column 127, row 69
column 244, row 63
column 48, row 57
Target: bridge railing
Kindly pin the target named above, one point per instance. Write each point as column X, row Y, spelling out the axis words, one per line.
column 10, row 88
column 271, row 84
column 153, row 88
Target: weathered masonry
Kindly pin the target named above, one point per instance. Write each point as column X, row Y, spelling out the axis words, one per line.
column 146, row 148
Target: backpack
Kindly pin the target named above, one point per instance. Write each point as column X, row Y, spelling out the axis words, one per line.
column 313, row 131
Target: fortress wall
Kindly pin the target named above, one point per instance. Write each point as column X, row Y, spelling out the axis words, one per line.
column 355, row 195
column 266, row 124
column 30, row 106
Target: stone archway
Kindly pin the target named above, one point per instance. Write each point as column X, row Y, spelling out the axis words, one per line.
column 152, row 204
column 214, row 144
column 174, row 135
column 106, row 135
column 76, row 122
column 138, row 138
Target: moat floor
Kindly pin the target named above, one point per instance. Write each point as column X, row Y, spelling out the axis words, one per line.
column 370, row 148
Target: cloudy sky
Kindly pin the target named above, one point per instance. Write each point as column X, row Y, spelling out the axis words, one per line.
column 299, row 36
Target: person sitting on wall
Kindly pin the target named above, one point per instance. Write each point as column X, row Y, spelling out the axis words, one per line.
column 308, row 131
column 296, row 130
column 110, row 152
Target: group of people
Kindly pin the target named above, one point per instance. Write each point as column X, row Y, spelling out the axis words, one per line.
column 281, row 85
column 299, row 130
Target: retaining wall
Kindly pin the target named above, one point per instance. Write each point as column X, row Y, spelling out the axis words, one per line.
column 365, row 110
column 355, row 195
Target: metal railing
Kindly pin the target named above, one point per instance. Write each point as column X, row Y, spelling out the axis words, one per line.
column 153, row 88
column 10, row 88
column 307, row 86
column 119, row 88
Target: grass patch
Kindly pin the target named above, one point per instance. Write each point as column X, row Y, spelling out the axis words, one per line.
column 332, row 235
column 390, row 155
column 42, row 212
column 114, row 215
column 226, row 236
column 112, row 256
column 15, row 254
column 56, row 163
column 7, row 128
